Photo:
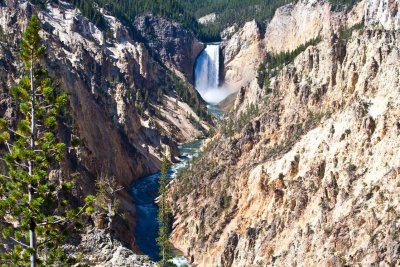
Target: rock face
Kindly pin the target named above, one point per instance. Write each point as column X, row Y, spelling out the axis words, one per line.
column 175, row 46
column 292, row 25
column 312, row 179
column 244, row 46
column 295, row 24
column 384, row 12
column 114, row 84
column 210, row 18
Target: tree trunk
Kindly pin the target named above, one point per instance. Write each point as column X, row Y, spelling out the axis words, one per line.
column 110, row 218
column 32, row 225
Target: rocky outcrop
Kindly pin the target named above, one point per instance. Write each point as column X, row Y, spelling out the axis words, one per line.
column 209, row 18
column 311, row 179
column 175, row 46
column 383, row 12
column 98, row 248
column 295, row 24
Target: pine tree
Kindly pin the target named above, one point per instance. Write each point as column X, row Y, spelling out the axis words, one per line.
column 139, row 102
column 159, row 96
column 163, row 215
column 107, row 200
column 34, row 212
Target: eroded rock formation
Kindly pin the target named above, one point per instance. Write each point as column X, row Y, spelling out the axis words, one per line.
column 313, row 178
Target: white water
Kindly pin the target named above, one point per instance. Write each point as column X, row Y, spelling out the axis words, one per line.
column 207, row 69
column 207, row 75
column 180, row 262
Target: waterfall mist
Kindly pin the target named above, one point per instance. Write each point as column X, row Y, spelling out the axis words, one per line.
column 207, row 75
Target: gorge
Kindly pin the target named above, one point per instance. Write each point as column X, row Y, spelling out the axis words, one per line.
column 302, row 167
column 145, row 190
column 144, row 193
column 303, row 159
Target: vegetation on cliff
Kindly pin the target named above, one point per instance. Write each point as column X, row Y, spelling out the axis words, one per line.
column 232, row 124
column 346, row 32
column 34, row 207
column 164, row 214
column 232, row 12
column 275, row 62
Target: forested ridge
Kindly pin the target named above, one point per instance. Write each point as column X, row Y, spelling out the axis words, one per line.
column 187, row 12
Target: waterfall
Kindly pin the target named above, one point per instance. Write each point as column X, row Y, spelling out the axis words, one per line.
column 207, row 72
column 207, row 69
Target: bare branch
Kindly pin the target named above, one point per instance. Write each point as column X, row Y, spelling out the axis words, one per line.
column 119, row 189
column 11, row 130
column 8, row 147
column 21, row 165
column 55, row 222
column 60, row 220
column 5, row 176
column 23, row 244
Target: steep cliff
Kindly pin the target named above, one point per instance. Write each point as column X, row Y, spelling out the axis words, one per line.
column 291, row 26
column 244, row 46
column 175, row 46
column 126, row 108
column 308, row 175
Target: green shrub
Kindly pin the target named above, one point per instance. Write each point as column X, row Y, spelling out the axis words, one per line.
column 277, row 61
column 345, row 32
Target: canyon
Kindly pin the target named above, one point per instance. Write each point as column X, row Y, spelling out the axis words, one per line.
column 303, row 167
column 312, row 177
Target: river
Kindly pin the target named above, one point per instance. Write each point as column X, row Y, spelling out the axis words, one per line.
column 144, row 192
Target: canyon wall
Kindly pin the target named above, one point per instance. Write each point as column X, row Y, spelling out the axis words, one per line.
column 104, row 74
column 312, row 178
column 291, row 26
column 175, row 46
column 242, row 54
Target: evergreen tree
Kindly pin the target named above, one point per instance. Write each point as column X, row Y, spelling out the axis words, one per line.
column 146, row 99
column 107, row 200
column 160, row 96
column 35, row 214
column 139, row 102
column 163, row 215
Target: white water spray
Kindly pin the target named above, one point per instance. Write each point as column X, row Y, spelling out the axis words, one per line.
column 207, row 75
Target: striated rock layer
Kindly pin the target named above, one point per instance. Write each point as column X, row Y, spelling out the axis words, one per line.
column 245, row 46
column 291, row 26
column 312, row 179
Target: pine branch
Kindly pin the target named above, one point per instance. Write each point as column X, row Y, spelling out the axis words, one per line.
column 61, row 220
column 16, row 163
